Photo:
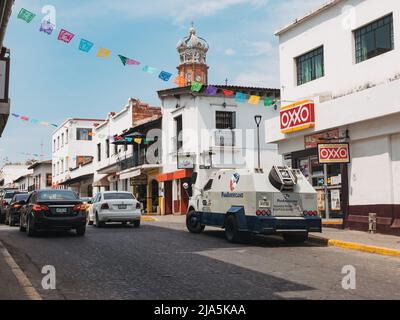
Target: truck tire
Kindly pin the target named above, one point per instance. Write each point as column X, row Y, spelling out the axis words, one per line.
column 232, row 232
column 295, row 238
column 193, row 222
column 276, row 181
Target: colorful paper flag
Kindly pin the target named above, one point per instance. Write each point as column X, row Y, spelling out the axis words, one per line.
column 65, row 36
column 24, row 118
column 180, row 81
column 129, row 139
column 15, row 115
column 126, row 61
column 211, row 90
column 196, row 86
column 103, row 53
column 138, row 140
column 268, row 102
column 34, row 121
column 241, row 97
column 149, row 69
column 26, row 15
column 45, row 123
column 228, row 93
column 254, row 99
column 146, row 142
column 47, row 27
column 54, row 125
column 85, row 45
column 165, row 76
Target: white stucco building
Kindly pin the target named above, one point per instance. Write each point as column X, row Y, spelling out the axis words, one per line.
column 342, row 61
column 11, row 172
column 72, row 145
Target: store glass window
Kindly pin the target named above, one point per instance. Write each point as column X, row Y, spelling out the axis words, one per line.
column 374, row 39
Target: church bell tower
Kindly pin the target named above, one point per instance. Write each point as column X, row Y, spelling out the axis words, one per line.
column 193, row 56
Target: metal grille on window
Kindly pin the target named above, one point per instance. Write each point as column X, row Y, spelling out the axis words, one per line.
column 374, row 39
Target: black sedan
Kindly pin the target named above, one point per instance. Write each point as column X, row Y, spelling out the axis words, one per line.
column 13, row 210
column 53, row 210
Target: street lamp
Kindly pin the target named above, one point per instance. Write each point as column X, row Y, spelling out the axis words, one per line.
column 257, row 119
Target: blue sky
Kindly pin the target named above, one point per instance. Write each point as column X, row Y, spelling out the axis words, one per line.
column 53, row 81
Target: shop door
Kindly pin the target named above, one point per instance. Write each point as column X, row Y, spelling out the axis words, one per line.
column 168, row 197
column 317, row 174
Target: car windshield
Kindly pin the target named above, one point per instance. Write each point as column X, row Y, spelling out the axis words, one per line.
column 56, row 195
column 118, row 196
column 9, row 195
column 21, row 197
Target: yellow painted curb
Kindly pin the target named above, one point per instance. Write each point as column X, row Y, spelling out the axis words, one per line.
column 364, row 248
column 148, row 219
column 332, row 223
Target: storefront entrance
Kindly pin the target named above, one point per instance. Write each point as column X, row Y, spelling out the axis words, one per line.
column 330, row 181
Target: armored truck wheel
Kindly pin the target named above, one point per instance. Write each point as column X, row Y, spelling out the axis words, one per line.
column 232, row 232
column 193, row 222
column 295, row 238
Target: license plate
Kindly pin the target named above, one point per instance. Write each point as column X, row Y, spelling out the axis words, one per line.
column 122, row 206
column 61, row 210
column 264, row 204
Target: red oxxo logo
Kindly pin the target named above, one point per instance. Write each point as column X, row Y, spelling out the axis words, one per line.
column 297, row 116
column 334, row 153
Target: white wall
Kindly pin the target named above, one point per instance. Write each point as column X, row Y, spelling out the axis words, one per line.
column 71, row 149
column 11, row 172
column 199, row 123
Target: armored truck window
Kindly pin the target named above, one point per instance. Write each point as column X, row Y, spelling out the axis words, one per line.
column 208, row 186
column 374, row 39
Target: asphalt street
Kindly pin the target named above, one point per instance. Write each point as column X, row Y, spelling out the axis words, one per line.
column 161, row 260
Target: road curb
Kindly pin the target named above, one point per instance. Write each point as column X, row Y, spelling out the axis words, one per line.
column 355, row 246
column 144, row 218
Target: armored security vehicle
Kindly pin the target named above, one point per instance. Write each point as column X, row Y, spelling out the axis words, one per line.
column 250, row 201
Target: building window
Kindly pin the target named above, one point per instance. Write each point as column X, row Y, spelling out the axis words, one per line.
column 58, row 143
column 225, row 120
column 374, row 39
column 62, row 140
column 66, row 137
column 84, row 134
column 107, row 148
column 54, row 145
column 310, row 66
column 49, row 180
column 99, row 152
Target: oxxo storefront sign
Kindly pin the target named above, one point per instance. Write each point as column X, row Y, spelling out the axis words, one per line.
column 334, row 153
column 297, row 116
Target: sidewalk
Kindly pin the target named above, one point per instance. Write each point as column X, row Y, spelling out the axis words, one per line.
column 10, row 287
column 361, row 241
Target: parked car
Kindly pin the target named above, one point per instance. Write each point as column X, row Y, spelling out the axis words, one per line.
column 13, row 211
column 88, row 203
column 115, row 206
column 53, row 210
column 8, row 194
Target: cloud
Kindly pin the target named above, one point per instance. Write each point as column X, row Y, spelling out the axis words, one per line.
column 230, row 52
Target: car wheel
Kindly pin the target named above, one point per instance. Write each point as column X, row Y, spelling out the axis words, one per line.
column 21, row 225
column 136, row 224
column 30, row 231
column 295, row 238
column 232, row 232
column 193, row 222
column 11, row 222
column 81, row 231
column 99, row 224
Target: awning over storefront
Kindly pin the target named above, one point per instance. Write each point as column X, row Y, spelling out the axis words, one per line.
column 77, row 179
column 103, row 182
column 149, row 169
column 177, row 175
